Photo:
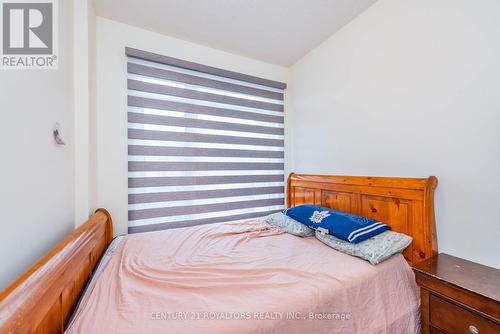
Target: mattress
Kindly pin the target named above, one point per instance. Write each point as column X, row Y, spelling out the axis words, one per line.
column 244, row 277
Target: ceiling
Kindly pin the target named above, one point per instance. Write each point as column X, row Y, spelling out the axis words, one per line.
column 274, row 31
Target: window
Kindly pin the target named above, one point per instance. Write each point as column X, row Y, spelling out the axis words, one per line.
column 205, row 145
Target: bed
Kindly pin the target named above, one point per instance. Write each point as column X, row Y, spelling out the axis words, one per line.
column 245, row 276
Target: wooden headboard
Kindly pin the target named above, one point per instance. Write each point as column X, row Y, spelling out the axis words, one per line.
column 406, row 204
column 43, row 298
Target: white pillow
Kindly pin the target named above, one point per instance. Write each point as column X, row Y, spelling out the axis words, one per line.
column 375, row 249
column 290, row 225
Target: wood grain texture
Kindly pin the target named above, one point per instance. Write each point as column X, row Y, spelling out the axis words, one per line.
column 425, row 314
column 42, row 299
column 461, row 290
column 452, row 318
column 405, row 204
column 473, row 277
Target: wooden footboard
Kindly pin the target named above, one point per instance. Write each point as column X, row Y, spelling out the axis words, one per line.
column 42, row 299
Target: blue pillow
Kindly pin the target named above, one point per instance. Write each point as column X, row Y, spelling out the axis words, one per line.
column 343, row 225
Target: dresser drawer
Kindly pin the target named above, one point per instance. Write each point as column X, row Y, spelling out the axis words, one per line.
column 453, row 319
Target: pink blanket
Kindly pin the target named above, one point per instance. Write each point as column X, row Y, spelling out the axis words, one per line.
column 245, row 277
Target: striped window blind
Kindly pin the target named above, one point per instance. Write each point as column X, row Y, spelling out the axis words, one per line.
column 205, row 145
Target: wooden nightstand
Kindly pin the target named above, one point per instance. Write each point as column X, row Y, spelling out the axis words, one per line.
column 458, row 296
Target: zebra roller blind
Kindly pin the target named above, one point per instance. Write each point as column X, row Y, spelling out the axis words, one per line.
column 205, row 145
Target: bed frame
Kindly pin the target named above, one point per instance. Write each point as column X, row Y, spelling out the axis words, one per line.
column 405, row 204
column 43, row 298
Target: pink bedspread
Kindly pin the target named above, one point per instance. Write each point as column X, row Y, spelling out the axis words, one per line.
column 245, row 277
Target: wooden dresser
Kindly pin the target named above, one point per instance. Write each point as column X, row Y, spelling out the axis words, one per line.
column 458, row 296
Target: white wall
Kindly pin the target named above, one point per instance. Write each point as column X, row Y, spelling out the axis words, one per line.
column 81, row 97
column 92, row 82
column 37, row 190
column 419, row 79
column 112, row 38
column 84, row 70
column 411, row 88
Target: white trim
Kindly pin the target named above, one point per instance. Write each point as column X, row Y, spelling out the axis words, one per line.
column 362, row 229
column 368, row 231
column 81, row 96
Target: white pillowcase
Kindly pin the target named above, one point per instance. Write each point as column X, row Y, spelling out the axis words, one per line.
column 279, row 219
column 375, row 249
